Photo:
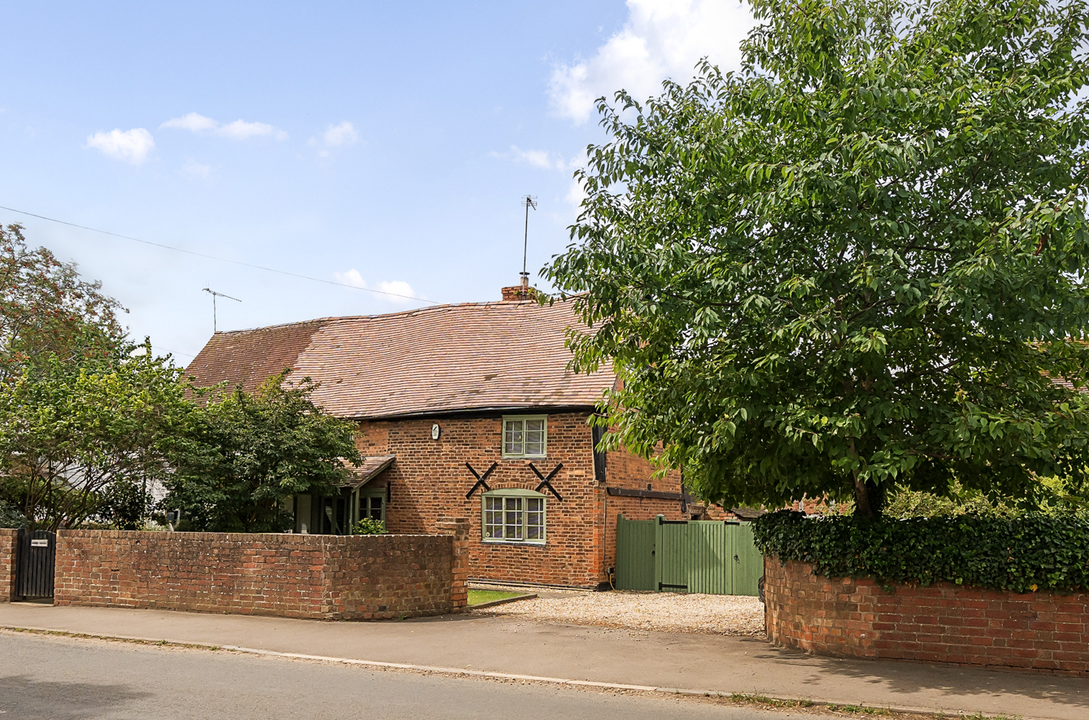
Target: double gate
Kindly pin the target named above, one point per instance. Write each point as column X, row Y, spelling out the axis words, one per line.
column 36, row 563
column 696, row 556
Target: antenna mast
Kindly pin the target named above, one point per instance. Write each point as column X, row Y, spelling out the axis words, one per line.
column 214, row 295
column 528, row 201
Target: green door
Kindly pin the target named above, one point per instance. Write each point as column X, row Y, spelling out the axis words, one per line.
column 710, row 550
column 747, row 561
column 634, row 554
column 671, row 555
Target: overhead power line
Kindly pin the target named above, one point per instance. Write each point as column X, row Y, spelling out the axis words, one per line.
column 220, row 259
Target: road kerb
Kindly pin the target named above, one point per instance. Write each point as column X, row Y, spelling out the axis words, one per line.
column 553, row 680
column 445, row 670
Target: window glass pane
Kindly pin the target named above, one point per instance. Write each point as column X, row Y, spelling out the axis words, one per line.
column 535, row 437
column 512, row 519
column 513, row 438
column 493, row 517
column 534, row 518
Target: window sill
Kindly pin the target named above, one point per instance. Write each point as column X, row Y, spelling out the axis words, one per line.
column 531, row 543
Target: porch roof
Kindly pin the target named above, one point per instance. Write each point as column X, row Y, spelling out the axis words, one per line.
column 371, row 468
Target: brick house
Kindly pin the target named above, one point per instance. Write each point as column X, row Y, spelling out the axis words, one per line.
column 464, row 410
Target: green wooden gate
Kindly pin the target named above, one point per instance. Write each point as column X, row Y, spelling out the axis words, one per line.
column 699, row 556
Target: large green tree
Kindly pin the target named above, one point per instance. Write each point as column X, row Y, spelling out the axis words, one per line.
column 858, row 261
column 48, row 310
column 247, row 453
column 86, row 420
column 73, row 438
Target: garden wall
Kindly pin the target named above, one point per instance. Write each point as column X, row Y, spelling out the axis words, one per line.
column 943, row 623
column 359, row 577
column 8, row 545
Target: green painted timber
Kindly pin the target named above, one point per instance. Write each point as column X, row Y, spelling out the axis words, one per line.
column 670, row 555
column 748, row 562
column 709, row 548
column 699, row 556
column 635, row 554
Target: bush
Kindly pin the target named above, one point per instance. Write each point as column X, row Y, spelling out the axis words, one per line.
column 1024, row 553
column 124, row 505
column 369, row 526
column 9, row 516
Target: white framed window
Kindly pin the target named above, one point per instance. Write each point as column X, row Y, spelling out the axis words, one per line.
column 513, row 516
column 525, row 436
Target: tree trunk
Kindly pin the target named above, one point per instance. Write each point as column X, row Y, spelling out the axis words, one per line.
column 869, row 499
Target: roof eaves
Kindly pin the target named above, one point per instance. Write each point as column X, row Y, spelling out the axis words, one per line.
column 482, row 410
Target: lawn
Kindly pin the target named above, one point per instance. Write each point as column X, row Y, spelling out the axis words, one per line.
column 477, row 597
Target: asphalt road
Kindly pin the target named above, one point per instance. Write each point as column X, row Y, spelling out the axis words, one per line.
column 72, row 679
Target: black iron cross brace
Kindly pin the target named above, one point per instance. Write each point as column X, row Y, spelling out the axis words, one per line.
column 480, row 479
column 546, row 482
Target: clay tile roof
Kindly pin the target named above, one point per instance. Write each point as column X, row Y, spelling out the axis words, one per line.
column 450, row 358
column 250, row 357
column 371, row 468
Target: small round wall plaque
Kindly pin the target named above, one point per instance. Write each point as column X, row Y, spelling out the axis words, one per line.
column 435, row 431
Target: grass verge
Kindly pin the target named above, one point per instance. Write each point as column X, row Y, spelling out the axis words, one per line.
column 476, row 597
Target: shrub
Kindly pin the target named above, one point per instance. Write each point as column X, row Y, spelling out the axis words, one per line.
column 10, row 517
column 369, row 526
column 1023, row 553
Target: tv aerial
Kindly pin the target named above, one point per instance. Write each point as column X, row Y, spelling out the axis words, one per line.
column 214, row 295
column 528, row 201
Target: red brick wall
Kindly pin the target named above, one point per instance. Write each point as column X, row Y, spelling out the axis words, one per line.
column 307, row 576
column 7, row 563
column 458, row 528
column 942, row 623
column 429, row 480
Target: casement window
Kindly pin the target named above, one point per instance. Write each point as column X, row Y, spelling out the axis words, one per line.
column 525, row 436
column 513, row 516
column 372, row 504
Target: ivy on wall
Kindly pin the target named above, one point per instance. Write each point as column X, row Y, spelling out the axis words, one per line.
column 1021, row 554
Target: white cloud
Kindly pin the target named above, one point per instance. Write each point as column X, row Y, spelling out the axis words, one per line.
column 536, row 158
column 396, row 291
column 576, row 193
column 352, row 277
column 542, row 159
column 193, row 122
column 129, row 145
column 194, row 169
column 242, row 130
column 343, row 134
column 237, row 130
column 397, row 287
column 340, row 135
column 662, row 39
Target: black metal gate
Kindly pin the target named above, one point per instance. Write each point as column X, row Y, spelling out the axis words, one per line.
column 37, row 560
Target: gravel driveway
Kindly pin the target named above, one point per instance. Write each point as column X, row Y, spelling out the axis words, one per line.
column 663, row 612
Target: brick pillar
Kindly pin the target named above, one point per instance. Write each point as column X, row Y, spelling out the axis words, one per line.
column 459, row 588
column 8, row 556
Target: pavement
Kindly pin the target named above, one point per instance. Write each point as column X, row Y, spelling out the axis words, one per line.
column 503, row 646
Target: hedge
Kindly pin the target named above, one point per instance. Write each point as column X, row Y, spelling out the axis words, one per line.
column 1021, row 554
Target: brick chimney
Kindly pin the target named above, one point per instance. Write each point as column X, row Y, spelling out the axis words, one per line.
column 517, row 293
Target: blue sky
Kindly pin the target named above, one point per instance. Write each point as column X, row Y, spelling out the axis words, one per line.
column 382, row 145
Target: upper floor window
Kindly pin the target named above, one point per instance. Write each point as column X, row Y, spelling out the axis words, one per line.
column 525, row 436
